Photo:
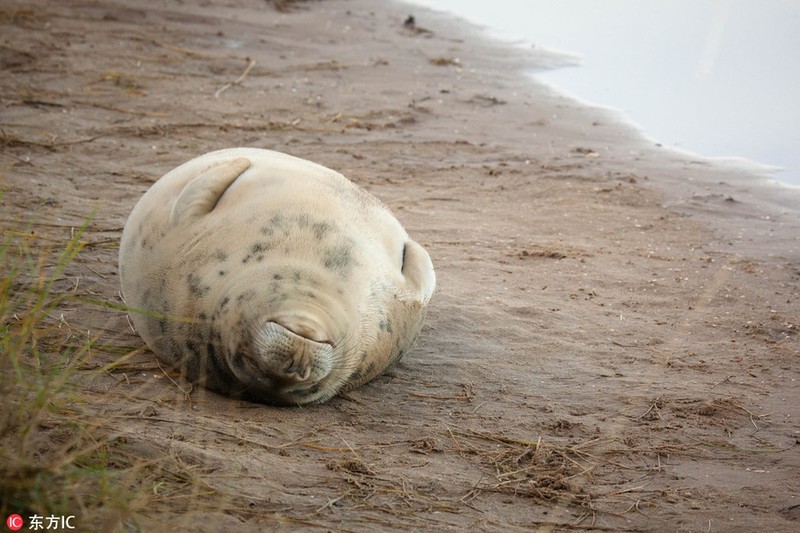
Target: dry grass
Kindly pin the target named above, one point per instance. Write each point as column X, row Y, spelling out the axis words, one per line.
column 57, row 457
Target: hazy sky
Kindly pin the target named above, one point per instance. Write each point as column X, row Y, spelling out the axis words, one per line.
column 714, row 77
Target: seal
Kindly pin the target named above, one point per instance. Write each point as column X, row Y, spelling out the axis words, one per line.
column 271, row 278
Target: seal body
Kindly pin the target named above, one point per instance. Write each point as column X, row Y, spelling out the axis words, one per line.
column 267, row 277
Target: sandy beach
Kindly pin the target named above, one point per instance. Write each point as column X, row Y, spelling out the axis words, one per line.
column 613, row 344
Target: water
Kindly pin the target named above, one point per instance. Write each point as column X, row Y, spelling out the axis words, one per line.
column 719, row 78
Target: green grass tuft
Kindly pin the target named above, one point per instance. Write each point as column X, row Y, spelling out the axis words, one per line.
column 54, row 459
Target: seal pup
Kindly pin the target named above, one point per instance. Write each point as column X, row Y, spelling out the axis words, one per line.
column 271, row 278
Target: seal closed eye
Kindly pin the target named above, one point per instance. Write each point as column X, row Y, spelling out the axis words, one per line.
column 284, row 288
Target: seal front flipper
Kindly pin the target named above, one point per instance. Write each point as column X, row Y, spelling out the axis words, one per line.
column 201, row 195
column 418, row 270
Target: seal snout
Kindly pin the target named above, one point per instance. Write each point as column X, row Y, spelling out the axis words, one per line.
column 290, row 357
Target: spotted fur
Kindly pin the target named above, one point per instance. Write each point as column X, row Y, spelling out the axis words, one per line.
column 271, row 278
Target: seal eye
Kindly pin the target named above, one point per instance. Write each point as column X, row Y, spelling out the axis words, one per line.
column 304, row 328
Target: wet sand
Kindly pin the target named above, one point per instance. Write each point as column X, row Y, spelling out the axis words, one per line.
column 613, row 343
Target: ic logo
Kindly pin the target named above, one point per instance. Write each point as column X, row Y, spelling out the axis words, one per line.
column 15, row 522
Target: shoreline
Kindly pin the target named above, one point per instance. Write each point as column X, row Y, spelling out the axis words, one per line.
column 610, row 322
column 550, row 30
column 752, row 190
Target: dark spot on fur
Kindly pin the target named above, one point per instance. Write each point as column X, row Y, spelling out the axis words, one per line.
column 192, row 348
column 296, row 276
column 224, row 302
column 321, row 229
column 355, row 376
column 222, row 273
column 220, row 255
column 277, row 277
column 202, row 316
column 193, row 281
column 256, row 250
column 246, row 296
column 303, row 221
column 338, row 259
column 272, row 225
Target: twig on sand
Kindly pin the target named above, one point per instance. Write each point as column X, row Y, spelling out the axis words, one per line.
column 329, row 503
column 473, row 493
column 186, row 393
column 251, row 63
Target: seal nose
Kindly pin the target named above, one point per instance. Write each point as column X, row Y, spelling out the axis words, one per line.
column 290, row 357
column 297, row 368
